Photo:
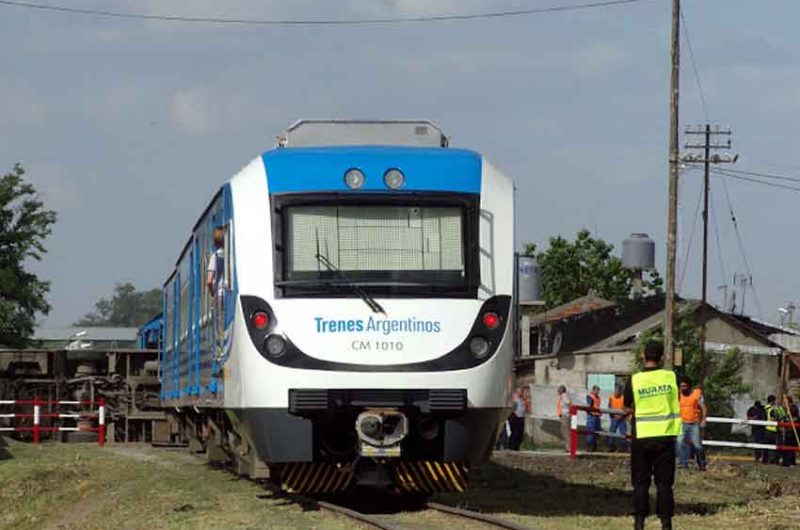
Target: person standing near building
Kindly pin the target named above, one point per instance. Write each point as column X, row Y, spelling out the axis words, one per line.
column 757, row 413
column 651, row 399
column 593, row 418
column 619, row 423
column 774, row 413
column 563, row 403
column 521, row 409
column 790, row 433
column 693, row 417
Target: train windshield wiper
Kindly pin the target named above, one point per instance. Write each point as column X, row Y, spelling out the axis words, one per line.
column 369, row 300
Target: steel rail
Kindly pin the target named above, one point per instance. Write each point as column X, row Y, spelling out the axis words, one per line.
column 477, row 516
column 364, row 518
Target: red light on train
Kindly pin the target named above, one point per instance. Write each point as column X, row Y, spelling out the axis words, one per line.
column 491, row 320
column 260, row 320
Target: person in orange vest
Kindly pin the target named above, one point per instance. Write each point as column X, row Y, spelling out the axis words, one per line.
column 693, row 417
column 619, row 424
column 593, row 418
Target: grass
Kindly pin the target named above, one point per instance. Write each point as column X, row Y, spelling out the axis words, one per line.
column 553, row 493
column 83, row 486
column 76, row 486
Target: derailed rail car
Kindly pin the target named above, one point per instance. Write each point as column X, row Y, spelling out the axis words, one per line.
column 351, row 325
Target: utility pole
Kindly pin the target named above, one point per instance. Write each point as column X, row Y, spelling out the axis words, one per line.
column 706, row 159
column 742, row 280
column 672, row 210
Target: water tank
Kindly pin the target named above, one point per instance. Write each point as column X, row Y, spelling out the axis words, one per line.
column 530, row 280
column 638, row 252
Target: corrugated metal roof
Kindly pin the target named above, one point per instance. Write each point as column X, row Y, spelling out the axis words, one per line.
column 579, row 306
column 118, row 334
column 624, row 338
column 627, row 335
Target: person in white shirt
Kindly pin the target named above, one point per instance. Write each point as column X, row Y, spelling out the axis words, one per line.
column 216, row 264
column 562, row 411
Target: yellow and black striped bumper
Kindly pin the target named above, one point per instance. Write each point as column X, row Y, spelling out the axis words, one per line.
column 429, row 476
column 313, row 477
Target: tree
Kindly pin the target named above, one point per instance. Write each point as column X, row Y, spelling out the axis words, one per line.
column 24, row 225
column 722, row 370
column 573, row 269
column 127, row 307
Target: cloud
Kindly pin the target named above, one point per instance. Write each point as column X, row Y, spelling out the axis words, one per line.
column 599, row 59
column 19, row 106
column 114, row 102
column 190, row 111
column 56, row 188
column 407, row 7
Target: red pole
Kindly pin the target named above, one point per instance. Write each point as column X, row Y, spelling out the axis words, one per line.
column 36, row 414
column 573, row 432
column 101, row 424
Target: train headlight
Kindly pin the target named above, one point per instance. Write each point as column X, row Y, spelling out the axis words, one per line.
column 394, row 179
column 354, row 179
column 479, row 347
column 275, row 345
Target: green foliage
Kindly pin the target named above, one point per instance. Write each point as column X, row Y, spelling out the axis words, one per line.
column 529, row 250
column 722, row 370
column 24, row 225
column 127, row 307
column 571, row 269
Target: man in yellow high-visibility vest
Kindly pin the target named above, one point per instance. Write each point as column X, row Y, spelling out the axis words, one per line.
column 652, row 398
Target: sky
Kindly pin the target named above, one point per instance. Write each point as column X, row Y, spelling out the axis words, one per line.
column 127, row 127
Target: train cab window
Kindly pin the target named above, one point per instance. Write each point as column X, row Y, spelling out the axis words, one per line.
column 411, row 249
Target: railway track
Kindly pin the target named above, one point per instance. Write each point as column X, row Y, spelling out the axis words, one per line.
column 392, row 518
column 385, row 522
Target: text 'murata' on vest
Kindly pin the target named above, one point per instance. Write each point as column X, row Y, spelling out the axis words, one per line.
column 655, row 399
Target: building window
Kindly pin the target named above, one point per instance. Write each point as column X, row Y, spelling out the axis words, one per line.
column 606, row 382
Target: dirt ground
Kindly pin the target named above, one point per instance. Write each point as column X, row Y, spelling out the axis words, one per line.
column 136, row 486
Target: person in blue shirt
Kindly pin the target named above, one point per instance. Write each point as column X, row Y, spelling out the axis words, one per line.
column 593, row 418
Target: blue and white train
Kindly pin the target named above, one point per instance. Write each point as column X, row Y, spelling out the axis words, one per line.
column 353, row 326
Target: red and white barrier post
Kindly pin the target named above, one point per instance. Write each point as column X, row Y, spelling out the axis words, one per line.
column 101, row 423
column 37, row 416
column 574, row 430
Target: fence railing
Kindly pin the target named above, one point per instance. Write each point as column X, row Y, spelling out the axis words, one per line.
column 576, row 430
column 36, row 415
column 793, row 425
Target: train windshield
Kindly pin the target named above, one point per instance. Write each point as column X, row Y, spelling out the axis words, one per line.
column 377, row 247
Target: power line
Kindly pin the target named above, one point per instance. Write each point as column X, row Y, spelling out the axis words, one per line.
column 719, row 245
column 314, row 22
column 726, row 173
column 694, row 66
column 691, row 240
column 739, row 239
column 764, row 175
